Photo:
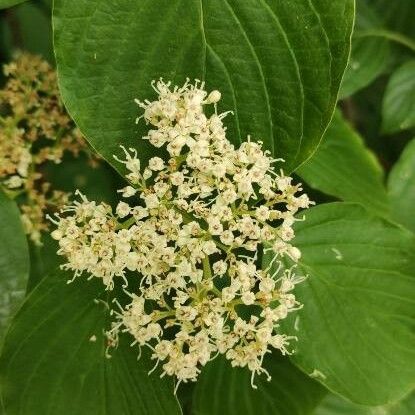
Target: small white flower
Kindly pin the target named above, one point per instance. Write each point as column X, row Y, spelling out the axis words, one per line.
column 57, row 234
column 227, row 237
column 209, row 248
column 262, row 213
column 14, row 182
column 228, row 294
column 213, row 97
column 219, row 267
column 156, row 138
column 267, row 284
column 123, row 209
column 128, row 191
column 215, row 226
column 151, row 201
column 156, row 164
column 139, row 212
column 177, row 178
column 248, row 298
column 294, row 253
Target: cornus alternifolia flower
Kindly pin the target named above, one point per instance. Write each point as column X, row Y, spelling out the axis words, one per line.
column 34, row 129
column 193, row 231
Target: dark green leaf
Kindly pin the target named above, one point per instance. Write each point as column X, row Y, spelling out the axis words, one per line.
column 5, row 43
column 401, row 188
column 398, row 109
column 334, row 405
column 43, row 260
column 277, row 63
column 398, row 15
column 222, row 389
column 54, row 361
column 370, row 54
column 99, row 183
column 357, row 329
column 4, row 4
column 14, row 260
column 31, row 30
column 345, row 168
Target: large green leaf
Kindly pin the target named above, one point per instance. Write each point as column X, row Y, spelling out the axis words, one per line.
column 334, row 405
column 398, row 109
column 222, row 389
column 14, row 260
column 356, row 331
column 54, row 361
column 277, row 63
column 370, row 54
column 401, row 188
column 344, row 167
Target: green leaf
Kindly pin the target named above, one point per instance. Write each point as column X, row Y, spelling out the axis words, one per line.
column 30, row 30
column 345, row 168
column 398, row 108
column 222, row 389
column 54, row 361
column 43, row 260
column 277, row 64
column 5, row 42
column 14, row 260
column 401, row 187
column 98, row 183
column 357, row 329
column 4, row 4
column 335, row 405
column 370, row 54
column 397, row 15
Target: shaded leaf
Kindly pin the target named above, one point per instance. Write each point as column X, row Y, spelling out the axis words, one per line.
column 370, row 54
column 53, row 360
column 277, row 64
column 401, row 188
column 397, row 15
column 14, row 260
column 345, row 168
column 398, row 108
column 99, row 183
column 33, row 30
column 222, row 389
column 335, row 405
column 43, row 260
column 4, row 4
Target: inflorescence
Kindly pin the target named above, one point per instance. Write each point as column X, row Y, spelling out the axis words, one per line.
column 34, row 129
column 193, row 231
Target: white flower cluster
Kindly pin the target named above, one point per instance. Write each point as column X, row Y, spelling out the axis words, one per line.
column 193, row 230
